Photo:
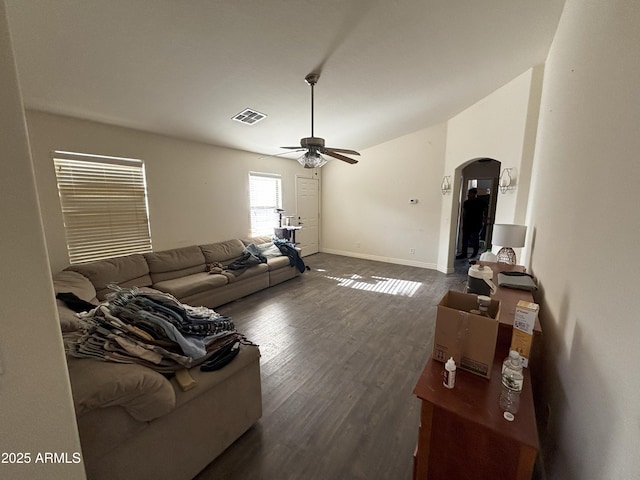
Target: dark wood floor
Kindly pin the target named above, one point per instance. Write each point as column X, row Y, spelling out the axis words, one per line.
column 342, row 347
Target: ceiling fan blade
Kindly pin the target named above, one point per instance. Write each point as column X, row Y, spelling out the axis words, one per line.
column 294, row 148
column 277, row 155
column 341, row 150
column 333, row 154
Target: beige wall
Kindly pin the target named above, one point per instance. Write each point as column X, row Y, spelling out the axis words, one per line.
column 365, row 207
column 501, row 126
column 198, row 193
column 585, row 229
column 36, row 409
column 581, row 210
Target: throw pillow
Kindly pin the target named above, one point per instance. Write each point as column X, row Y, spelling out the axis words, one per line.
column 81, row 286
column 69, row 281
column 269, row 250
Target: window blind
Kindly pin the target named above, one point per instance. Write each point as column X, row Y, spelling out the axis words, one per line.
column 104, row 206
column 265, row 196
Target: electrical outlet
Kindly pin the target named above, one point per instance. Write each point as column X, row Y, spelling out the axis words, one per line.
column 412, row 251
column 357, row 244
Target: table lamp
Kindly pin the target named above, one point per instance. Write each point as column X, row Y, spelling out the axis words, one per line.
column 508, row 237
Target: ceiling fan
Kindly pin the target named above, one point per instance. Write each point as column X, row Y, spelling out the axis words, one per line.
column 314, row 146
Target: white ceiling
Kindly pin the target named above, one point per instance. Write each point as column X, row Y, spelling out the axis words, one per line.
column 185, row 67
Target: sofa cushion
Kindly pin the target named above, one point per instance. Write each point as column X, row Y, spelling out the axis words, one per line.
column 223, row 252
column 175, row 263
column 278, row 262
column 191, row 284
column 142, row 392
column 73, row 282
column 252, row 271
column 69, row 322
column 269, row 250
column 127, row 271
column 258, row 240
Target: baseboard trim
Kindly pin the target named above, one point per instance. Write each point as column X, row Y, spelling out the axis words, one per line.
column 445, row 270
column 376, row 258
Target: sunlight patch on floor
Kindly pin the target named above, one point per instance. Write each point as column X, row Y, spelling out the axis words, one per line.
column 390, row 286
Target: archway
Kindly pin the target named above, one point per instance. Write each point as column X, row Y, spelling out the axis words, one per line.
column 480, row 173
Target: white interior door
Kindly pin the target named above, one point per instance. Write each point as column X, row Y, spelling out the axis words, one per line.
column 308, row 212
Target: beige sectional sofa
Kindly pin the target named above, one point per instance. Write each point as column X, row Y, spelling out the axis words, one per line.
column 134, row 422
column 183, row 272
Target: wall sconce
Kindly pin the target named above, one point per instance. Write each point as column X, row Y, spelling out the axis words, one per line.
column 445, row 186
column 505, row 180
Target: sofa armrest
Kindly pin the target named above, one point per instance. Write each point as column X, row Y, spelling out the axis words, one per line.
column 142, row 392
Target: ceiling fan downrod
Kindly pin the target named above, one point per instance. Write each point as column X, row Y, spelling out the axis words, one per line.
column 311, row 80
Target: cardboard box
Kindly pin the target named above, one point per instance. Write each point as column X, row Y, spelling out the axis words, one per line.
column 523, row 323
column 469, row 338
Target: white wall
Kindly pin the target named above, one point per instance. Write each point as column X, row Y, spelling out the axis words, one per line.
column 365, row 207
column 36, row 409
column 501, row 126
column 585, row 226
column 198, row 193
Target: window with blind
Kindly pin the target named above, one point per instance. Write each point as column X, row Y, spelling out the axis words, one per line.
column 265, row 196
column 104, row 205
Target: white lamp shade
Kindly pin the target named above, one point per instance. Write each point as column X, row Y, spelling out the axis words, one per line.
column 505, row 235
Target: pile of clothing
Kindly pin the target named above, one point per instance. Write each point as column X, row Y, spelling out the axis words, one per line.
column 152, row 329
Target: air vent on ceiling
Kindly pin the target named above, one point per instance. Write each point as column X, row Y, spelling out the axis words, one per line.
column 249, row 117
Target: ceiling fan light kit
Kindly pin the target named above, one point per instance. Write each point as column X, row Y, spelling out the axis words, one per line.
column 314, row 146
column 312, row 159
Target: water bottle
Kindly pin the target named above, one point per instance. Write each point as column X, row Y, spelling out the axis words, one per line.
column 512, row 378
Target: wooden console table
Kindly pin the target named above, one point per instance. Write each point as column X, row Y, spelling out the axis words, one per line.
column 463, row 434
